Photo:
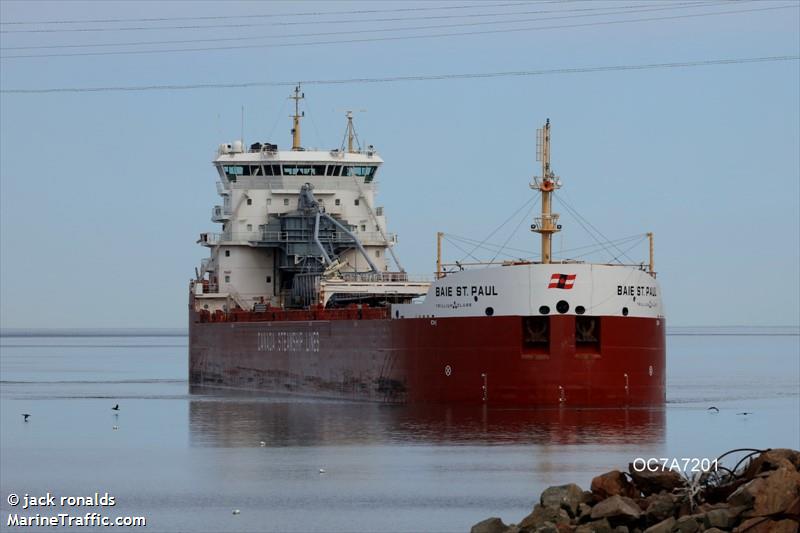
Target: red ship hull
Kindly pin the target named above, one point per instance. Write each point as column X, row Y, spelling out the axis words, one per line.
column 471, row 360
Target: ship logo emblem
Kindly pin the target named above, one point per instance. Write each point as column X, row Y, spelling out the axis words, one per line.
column 562, row 281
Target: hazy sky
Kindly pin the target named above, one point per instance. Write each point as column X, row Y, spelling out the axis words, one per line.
column 103, row 194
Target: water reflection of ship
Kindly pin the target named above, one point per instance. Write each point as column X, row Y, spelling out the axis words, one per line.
column 245, row 420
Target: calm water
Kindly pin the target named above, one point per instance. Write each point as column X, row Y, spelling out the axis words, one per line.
column 185, row 458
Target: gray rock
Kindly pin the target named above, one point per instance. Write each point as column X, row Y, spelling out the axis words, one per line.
column 584, row 510
column 687, row 524
column 598, row 526
column 720, row 518
column 665, row 526
column 616, row 507
column 661, row 507
column 542, row 514
column 547, row 527
column 621, row 529
column 568, row 497
column 490, row 525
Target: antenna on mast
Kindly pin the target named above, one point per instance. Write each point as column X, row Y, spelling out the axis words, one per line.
column 350, row 134
column 297, row 96
column 547, row 183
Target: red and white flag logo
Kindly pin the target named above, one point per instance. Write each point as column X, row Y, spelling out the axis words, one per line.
column 562, row 281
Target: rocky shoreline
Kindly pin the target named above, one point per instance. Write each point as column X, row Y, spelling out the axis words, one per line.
column 759, row 494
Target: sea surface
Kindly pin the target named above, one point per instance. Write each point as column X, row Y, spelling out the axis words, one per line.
column 187, row 458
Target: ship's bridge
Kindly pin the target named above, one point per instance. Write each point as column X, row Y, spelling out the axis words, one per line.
column 300, row 227
column 234, row 163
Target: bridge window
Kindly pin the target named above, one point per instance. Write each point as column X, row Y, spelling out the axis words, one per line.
column 297, row 170
column 233, row 171
column 363, row 172
column 303, row 170
column 333, row 170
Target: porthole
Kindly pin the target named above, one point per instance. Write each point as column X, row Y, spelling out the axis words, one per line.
column 544, row 310
column 580, row 310
column 624, row 311
column 476, row 298
column 562, row 306
column 489, row 311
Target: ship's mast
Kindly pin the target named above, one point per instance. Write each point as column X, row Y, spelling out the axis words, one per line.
column 350, row 132
column 350, row 140
column 547, row 223
column 439, row 236
column 296, row 117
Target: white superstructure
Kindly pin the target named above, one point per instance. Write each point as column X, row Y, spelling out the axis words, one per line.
column 292, row 219
column 534, row 289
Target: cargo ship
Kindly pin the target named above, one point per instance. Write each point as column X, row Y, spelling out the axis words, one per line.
column 297, row 297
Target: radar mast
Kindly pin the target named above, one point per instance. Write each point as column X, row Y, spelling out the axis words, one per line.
column 547, row 223
column 297, row 96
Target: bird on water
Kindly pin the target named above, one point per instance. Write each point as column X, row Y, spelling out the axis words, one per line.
column 25, row 416
column 115, row 408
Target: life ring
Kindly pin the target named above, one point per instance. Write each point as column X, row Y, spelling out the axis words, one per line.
column 547, row 185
